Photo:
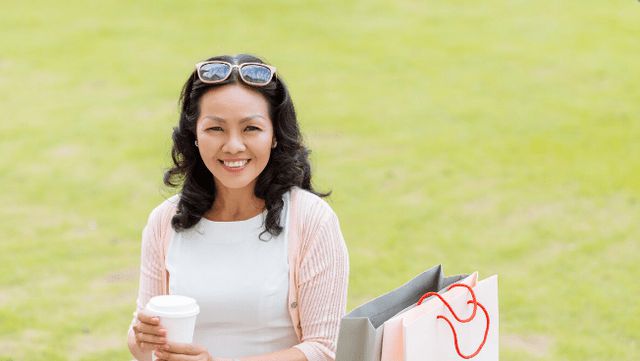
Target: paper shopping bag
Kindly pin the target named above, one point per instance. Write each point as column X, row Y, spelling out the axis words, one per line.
column 455, row 332
column 392, row 342
column 360, row 335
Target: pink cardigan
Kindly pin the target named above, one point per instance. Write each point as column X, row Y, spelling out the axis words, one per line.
column 318, row 275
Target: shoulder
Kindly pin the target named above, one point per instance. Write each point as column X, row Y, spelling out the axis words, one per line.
column 312, row 213
column 318, row 228
column 163, row 211
column 157, row 222
column 308, row 205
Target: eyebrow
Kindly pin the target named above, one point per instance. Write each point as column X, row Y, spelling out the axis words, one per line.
column 243, row 120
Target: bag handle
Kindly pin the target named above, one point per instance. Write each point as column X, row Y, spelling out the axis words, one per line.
column 473, row 299
column 476, row 304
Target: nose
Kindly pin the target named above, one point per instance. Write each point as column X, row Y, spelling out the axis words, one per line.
column 234, row 144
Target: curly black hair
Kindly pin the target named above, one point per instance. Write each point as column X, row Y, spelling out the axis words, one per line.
column 288, row 164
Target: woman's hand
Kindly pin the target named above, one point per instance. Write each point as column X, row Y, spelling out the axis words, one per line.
column 173, row 351
column 149, row 334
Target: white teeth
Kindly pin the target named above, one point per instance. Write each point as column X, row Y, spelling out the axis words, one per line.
column 236, row 164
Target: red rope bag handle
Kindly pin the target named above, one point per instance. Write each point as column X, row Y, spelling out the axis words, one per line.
column 473, row 299
column 475, row 303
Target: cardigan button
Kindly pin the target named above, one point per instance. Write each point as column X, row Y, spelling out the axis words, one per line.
column 294, row 304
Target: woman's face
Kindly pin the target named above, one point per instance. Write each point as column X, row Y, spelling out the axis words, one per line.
column 235, row 135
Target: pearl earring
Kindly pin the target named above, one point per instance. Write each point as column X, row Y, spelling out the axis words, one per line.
column 275, row 143
column 196, row 143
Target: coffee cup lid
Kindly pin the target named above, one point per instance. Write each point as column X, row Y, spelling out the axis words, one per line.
column 173, row 306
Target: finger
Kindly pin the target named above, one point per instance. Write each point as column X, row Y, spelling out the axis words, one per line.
column 183, row 348
column 149, row 329
column 149, row 319
column 146, row 347
column 167, row 356
column 146, row 338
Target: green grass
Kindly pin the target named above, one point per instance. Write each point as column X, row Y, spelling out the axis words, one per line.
column 498, row 136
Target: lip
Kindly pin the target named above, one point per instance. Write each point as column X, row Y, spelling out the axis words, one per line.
column 234, row 170
column 234, row 159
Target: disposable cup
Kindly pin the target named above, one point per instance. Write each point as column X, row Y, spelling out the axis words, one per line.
column 177, row 315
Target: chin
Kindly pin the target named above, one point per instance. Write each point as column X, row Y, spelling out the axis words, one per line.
column 235, row 184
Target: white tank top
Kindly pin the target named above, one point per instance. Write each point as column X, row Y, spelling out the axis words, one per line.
column 240, row 282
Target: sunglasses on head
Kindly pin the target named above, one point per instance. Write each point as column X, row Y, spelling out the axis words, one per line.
column 217, row 71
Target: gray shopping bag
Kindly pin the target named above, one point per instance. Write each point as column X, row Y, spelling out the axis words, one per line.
column 360, row 336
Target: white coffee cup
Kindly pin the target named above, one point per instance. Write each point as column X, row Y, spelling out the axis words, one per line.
column 177, row 315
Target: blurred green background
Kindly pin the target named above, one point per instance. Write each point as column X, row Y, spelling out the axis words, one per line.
column 498, row 136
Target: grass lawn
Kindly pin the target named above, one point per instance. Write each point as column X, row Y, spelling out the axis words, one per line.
column 498, row 136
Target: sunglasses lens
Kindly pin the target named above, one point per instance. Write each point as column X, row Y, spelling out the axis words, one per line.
column 214, row 71
column 256, row 74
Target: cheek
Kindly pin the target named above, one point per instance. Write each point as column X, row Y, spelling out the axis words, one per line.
column 263, row 145
column 209, row 143
column 209, row 150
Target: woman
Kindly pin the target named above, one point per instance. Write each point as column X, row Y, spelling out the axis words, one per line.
column 247, row 236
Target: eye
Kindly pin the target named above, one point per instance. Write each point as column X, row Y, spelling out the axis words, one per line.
column 251, row 127
column 215, row 128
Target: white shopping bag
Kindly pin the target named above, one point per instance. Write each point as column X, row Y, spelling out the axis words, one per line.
column 392, row 342
column 431, row 338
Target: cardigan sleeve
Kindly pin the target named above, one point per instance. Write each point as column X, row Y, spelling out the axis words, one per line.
column 322, row 286
column 151, row 262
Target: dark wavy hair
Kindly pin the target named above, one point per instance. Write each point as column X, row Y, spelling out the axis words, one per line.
column 288, row 164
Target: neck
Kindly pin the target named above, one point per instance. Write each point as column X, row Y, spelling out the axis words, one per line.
column 235, row 204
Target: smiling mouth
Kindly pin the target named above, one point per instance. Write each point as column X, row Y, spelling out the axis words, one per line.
column 235, row 164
